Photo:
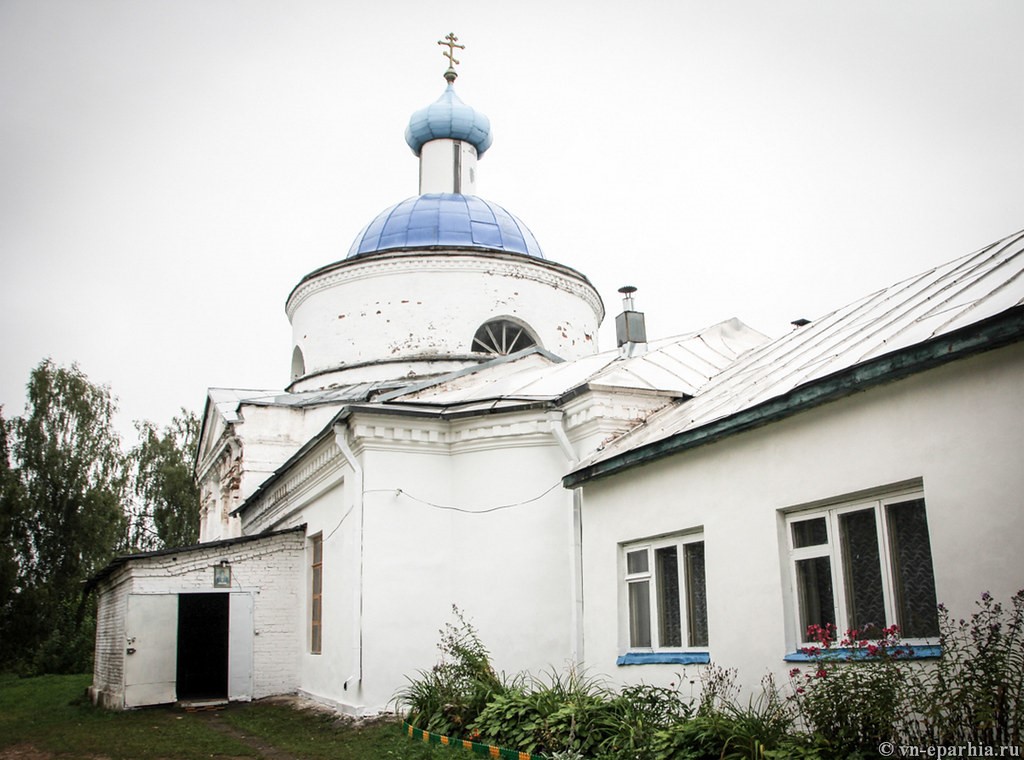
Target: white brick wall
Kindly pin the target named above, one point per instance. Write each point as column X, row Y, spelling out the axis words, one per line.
column 108, row 661
column 270, row 569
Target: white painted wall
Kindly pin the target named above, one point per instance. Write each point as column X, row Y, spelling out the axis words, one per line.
column 439, row 172
column 394, row 565
column 332, row 675
column 424, row 309
column 959, row 428
column 264, row 438
column 506, row 570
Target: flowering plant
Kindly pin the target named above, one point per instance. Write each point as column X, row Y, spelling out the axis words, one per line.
column 975, row 693
column 854, row 688
column 855, row 644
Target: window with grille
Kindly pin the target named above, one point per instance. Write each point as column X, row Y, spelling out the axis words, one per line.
column 864, row 566
column 665, row 594
column 502, row 337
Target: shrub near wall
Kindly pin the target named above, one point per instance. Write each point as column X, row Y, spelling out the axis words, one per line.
column 858, row 692
column 975, row 694
column 448, row 697
column 972, row 695
column 853, row 705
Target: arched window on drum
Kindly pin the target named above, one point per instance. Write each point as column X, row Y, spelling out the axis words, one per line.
column 502, row 337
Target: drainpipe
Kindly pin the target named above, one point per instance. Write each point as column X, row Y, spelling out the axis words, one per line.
column 576, row 567
column 341, row 440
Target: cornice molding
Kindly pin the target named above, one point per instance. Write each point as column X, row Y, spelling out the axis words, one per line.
column 291, row 492
column 226, row 448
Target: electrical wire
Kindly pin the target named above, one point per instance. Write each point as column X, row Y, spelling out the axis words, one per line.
column 335, row 529
column 448, row 507
column 451, row 508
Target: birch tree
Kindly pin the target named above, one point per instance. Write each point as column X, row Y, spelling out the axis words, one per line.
column 67, row 516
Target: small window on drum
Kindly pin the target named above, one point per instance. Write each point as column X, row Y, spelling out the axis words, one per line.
column 502, row 337
column 298, row 364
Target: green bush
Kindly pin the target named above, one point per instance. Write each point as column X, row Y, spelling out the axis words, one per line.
column 858, row 692
column 68, row 648
column 449, row 696
column 975, row 692
column 972, row 694
column 852, row 703
column 721, row 728
column 640, row 713
column 566, row 714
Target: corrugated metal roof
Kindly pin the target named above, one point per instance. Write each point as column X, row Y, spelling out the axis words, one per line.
column 952, row 296
column 229, row 400
column 679, row 365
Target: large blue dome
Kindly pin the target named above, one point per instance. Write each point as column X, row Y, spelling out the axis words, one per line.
column 446, row 219
column 448, row 117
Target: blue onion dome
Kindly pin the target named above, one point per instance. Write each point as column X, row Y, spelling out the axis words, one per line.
column 449, row 118
column 448, row 220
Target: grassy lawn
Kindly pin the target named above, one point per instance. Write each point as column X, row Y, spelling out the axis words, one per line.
column 49, row 717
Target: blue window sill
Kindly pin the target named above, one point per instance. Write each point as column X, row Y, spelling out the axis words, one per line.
column 664, row 658
column 905, row 652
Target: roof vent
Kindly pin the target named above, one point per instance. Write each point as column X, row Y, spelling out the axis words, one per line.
column 630, row 328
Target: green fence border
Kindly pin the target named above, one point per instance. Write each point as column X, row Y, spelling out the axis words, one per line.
column 488, row 750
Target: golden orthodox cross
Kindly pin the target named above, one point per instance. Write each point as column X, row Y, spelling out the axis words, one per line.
column 451, row 43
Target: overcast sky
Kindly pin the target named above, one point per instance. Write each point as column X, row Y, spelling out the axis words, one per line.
column 169, row 169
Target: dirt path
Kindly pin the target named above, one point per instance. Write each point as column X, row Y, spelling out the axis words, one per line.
column 267, row 751
column 23, row 752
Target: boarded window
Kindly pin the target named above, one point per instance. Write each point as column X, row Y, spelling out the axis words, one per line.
column 316, row 596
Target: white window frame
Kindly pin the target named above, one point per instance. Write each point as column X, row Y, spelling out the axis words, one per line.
column 650, row 576
column 833, row 550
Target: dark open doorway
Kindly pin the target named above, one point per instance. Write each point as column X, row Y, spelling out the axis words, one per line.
column 203, row 646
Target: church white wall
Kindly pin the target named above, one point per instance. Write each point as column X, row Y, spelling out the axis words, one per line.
column 271, row 434
column 264, row 439
column 393, row 568
column 507, row 571
column 425, row 308
column 329, row 676
column 959, row 428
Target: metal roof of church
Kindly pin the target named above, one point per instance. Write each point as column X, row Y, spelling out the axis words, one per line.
column 448, row 220
column 449, row 118
column 228, row 400
column 677, row 366
column 970, row 290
